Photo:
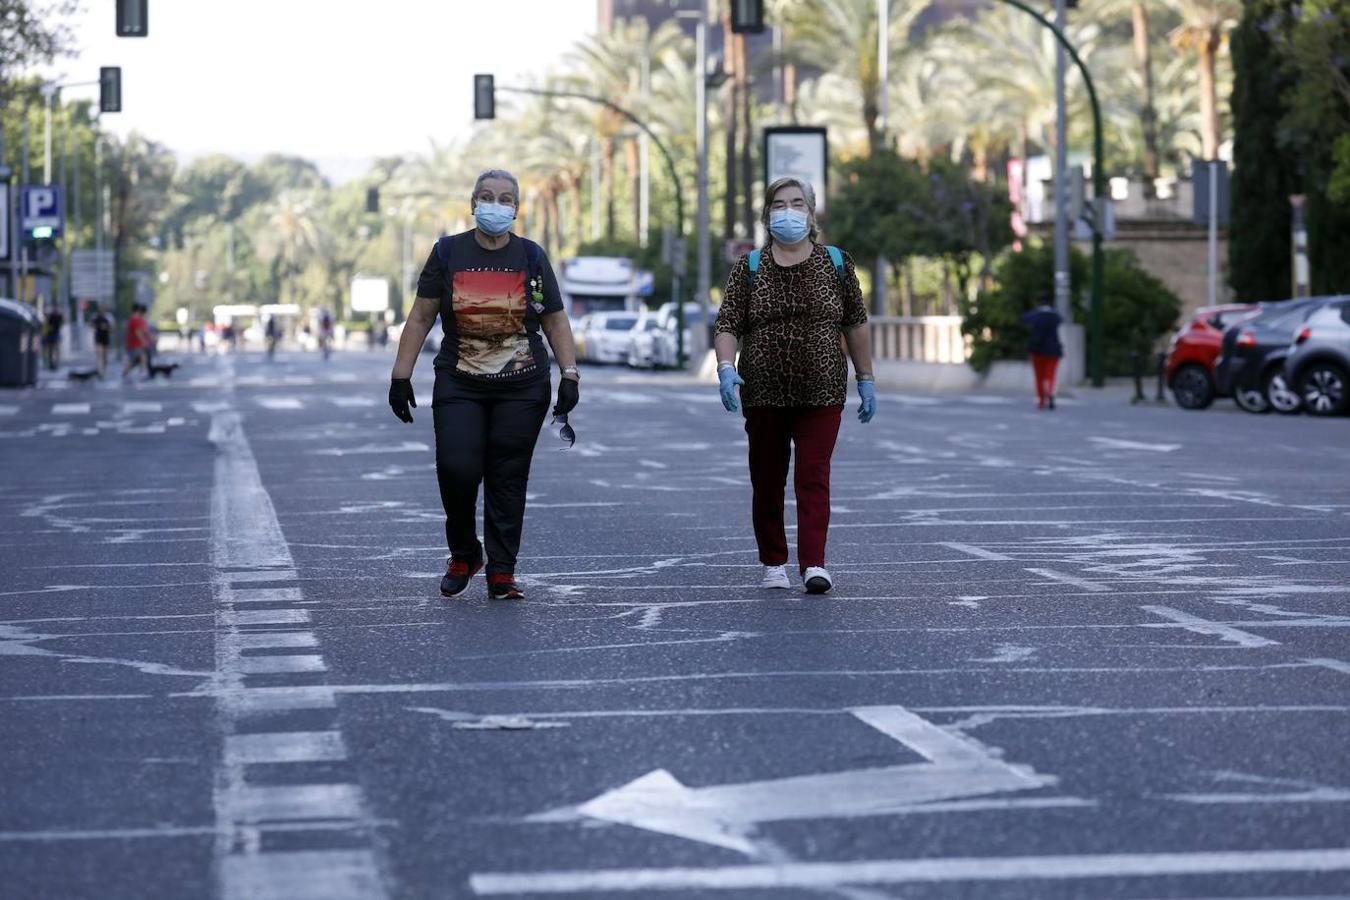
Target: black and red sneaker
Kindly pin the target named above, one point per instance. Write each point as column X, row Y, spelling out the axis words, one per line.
column 502, row 586
column 458, row 572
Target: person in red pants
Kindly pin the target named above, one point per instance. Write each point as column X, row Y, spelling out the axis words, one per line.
column 789, row 306
column 1045, row 349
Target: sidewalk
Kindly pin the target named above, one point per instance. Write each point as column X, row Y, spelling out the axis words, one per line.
column 1010, row 378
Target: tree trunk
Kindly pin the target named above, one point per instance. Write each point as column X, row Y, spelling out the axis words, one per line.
column 730, row 118
column 608, row 150
column 1148, row 115
column 634, row 164
column 747, row 139
column 1209, row 98
column 578, row 207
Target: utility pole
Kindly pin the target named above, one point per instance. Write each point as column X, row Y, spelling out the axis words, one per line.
column 1062, row 287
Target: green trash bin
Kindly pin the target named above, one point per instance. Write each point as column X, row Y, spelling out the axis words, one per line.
column 20, row 344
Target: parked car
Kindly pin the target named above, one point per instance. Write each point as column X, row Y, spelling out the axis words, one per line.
column 579, row 328
column 1192, row 353
column 1319, row 360
column 1251, row 364
column 607, row 336
column 643, row 343
column 666, row 337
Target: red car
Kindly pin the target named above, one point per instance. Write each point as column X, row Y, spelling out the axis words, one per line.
column 1195, row 348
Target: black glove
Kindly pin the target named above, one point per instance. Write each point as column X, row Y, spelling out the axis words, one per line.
column 568, row 394
column 401, row 397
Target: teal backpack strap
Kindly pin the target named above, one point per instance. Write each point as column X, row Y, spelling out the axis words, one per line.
column 754, row 267
column 836, row 257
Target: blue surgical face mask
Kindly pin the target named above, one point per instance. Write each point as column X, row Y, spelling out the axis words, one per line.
column 494, row 218
column 788, row 225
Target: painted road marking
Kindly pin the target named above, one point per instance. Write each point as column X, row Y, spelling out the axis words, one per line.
column 277, row 640
column 284, row 747
column 280, row 665
column 280, row 403
column 266, row 617
column 725, row 815
column 976, row 552
column 354, row 402
column 70, row 409
column 141, row 406
column 1064, row 578
column 207, row 407
column 1118, row 444
column 8, row 410
column 1197, row 625
column 302, row 875
column 907, row 871
column 293, row 803
column 249, row 548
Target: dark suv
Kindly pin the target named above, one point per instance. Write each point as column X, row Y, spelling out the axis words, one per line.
column 1251, row 361
column 1319, row 360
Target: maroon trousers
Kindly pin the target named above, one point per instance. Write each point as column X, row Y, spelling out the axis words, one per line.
column 1044, row 368
column 773, row 432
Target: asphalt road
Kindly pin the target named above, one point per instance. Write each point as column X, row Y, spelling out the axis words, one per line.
column 1099, row 652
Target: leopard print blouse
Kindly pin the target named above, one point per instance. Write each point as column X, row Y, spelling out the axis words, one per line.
column 790, row 327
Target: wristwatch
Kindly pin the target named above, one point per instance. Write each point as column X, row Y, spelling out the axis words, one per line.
column 572, row 370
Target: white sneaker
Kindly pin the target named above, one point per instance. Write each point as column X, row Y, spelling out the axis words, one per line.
column 775, row 577
column 817, row 580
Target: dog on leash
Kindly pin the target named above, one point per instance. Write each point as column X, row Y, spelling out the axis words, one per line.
column 165, row 369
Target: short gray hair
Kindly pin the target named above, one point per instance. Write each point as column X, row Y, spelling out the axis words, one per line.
column 807, row 192
column 496, row 173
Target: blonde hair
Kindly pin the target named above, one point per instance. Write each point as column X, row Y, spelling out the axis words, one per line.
column 807, row 191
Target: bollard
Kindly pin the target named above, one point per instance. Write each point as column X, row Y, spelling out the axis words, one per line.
column 1162, row 375
column 1136, row 365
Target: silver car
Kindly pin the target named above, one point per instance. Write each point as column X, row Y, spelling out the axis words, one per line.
column 1318, row 365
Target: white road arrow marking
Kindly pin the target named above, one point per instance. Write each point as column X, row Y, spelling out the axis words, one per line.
column 725, row 815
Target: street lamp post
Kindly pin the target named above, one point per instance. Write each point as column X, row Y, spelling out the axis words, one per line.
column 1098, row 190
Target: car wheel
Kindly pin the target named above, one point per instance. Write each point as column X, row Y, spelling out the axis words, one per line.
column 1192, row 387
column 1251, row 400
column 1278, row 394
column 1323, row 389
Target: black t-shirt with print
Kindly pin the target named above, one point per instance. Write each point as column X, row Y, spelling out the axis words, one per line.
column 491, row 321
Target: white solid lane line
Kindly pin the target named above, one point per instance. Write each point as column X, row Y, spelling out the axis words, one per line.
column 70, row 409
column 907, row 871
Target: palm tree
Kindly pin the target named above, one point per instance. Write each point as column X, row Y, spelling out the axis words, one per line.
column 1204, row 28
column 293, row 236
column 839, row 37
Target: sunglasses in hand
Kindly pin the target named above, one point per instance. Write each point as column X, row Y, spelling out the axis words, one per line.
column 565, row 432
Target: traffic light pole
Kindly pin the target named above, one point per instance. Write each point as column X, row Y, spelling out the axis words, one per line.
column 670, row 167
column 1098, row 190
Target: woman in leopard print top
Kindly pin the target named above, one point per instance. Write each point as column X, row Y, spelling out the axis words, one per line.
column 793, row 318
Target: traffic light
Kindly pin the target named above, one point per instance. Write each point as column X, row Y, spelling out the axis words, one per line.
column 747, row 16
column 131, row 18
column 484, row 97
column 372, row 200
column 110, row 89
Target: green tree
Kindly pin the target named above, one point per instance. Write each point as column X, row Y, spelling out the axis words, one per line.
column 1264, row 171
column 1137, row 308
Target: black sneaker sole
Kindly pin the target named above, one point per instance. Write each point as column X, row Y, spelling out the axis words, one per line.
column 818, row 586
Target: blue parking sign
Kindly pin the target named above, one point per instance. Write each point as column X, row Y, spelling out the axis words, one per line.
column 40, row 208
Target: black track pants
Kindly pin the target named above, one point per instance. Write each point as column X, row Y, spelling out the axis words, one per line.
column 486, row 435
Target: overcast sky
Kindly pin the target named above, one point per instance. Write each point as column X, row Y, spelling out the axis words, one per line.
column 337, row 81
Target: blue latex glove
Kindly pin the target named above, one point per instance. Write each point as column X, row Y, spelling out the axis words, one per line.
column 728, row 379
column 867, row 393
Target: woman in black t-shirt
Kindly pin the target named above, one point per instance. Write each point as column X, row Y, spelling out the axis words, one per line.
column 103, row 329
column 494, row 292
